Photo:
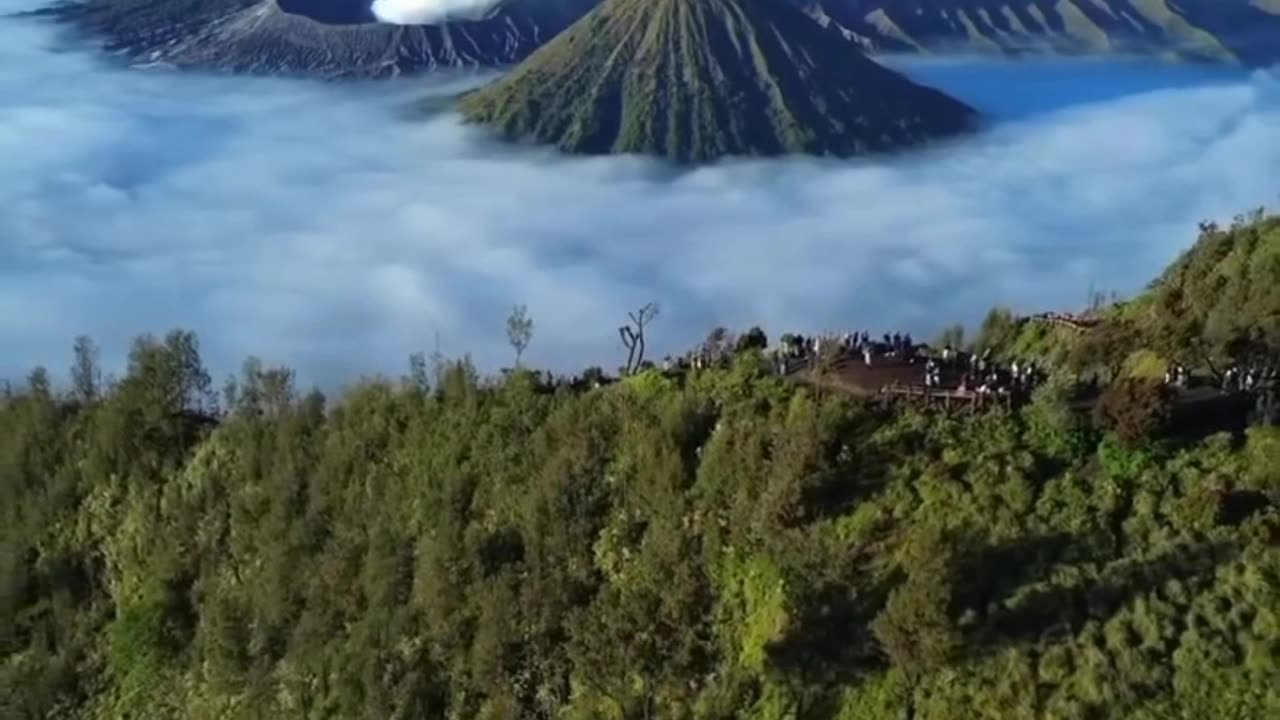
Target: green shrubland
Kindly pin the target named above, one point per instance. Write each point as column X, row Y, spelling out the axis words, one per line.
column 719, row 544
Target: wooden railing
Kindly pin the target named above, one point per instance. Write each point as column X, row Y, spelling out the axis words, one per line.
column 1067, row 320
column 946, row 396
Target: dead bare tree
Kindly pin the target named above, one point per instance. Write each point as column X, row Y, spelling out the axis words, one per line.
column 632, row 335
column 519, row 330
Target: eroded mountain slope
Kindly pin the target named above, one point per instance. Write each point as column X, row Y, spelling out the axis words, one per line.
column 694, row 80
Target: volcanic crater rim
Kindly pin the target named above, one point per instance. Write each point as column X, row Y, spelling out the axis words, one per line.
column 330, row 12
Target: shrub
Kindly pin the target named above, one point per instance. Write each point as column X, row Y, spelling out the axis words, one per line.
column 752, row 339
column 1135, row 410
column 1054, row 427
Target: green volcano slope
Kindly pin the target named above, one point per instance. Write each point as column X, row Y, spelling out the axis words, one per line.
column 695, row 80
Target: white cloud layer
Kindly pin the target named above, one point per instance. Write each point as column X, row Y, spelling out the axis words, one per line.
column 310, row 223
column 426, row 12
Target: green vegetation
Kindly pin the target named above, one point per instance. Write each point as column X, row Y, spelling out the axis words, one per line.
column 719, row 544
column 1220, row 303
column 696, row 80
column 1137, row 410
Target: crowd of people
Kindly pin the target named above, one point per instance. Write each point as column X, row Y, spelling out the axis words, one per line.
column 793, row 351
column 1237, row 379
column 1234, row 379
column 941, row 371
column 701, row 358
column 982, row 375
column 946, row 369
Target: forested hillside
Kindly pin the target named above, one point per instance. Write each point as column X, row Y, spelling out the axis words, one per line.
column 722, row 543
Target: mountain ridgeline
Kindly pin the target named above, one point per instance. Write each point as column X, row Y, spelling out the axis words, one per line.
column 339, row 39
column 1240, row 31
column 696, row 80
column 331, row 39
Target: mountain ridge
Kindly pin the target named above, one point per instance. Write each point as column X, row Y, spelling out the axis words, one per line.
column 1237, row 31
column 258, row 36
column 261, row 37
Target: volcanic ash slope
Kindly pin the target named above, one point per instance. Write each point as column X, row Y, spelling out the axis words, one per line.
column 696, row 80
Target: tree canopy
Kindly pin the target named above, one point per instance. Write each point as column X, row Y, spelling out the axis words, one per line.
column 712, row 544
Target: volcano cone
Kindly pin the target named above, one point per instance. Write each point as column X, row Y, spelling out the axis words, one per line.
column 696, row 80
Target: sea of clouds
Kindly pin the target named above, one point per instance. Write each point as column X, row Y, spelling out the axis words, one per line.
column 313, row 224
